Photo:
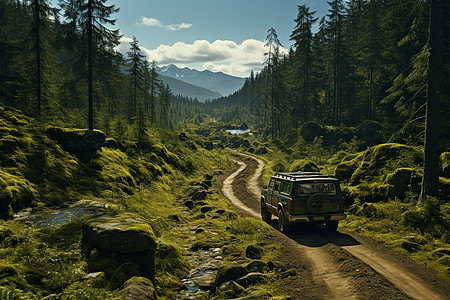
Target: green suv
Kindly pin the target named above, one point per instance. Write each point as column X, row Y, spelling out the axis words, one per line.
column 304, row 197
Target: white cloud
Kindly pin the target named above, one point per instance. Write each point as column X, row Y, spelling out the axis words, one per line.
column 221, row 55
column 151, row 22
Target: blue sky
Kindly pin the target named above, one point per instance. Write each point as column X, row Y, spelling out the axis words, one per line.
column 218, row 35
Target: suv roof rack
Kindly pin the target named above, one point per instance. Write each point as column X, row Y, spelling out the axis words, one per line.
column 302, row 175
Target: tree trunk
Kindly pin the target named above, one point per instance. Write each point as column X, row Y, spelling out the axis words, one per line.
column 38, row 58
column 90, row 71
column 430, row 183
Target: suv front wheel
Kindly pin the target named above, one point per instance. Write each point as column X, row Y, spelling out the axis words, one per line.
column 283, row 225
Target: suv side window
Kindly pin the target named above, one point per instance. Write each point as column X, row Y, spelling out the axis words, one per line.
column 277, row 186
column 285, row 187
column 271, row 185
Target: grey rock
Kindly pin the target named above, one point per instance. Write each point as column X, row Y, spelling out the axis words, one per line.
column 230, row 290
column 199, row 195
column 138, row 288
column 251, row 279
column 230, row 272
column 206, row 209
column 257, row 266
column 121, row 235
column 189, row 204
column 206, row 281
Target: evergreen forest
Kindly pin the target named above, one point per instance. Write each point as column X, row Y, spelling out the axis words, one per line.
column 112, row 187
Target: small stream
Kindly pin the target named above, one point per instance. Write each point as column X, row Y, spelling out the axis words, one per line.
column 53, row 217
column 202, row 277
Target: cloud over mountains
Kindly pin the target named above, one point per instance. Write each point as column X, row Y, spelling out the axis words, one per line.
column 220, row 55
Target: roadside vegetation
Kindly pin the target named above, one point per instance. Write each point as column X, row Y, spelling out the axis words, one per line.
column 381, row 185
column 150, row 181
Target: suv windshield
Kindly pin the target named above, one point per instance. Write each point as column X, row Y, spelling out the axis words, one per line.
column 317, row 187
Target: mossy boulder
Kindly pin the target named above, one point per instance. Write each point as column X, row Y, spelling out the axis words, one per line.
column 230, row 290
column 16, row 193
column 310, row 130
column 402, row 180
column 123, row 233
column 138, row 288
column 121, row 246
column 370, row 132
column 383, row 158
column 303, row 165
column 445, row 164
column 345, row 169
column 231, row 271
column 79, row 142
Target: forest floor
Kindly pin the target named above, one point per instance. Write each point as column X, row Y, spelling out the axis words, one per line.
column 339, row 265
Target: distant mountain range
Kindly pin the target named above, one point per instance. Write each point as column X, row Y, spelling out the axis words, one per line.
column 218, row 83
column 178, row 87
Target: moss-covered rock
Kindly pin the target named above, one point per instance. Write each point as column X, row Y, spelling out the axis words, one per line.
column 378, row 160
column 402, row 180
column 15, row 193
column 138, row 288
column 370, row 132
column 122, row 246
column 303, row 165
column 79, row 142
column 345, row 169
column 310, row 130
column 123, row 233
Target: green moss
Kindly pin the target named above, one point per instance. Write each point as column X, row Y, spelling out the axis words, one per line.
column 303, row 165
column 445, row 164
column 115, row 171
column 170, row 259
column 15, row 192
column 385, row 157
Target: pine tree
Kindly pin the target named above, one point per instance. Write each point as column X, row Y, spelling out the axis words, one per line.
column 136, row 64
column 155, row 84
column 88, row 18
column 334, row 23
column 274, row 45
column 303, row 37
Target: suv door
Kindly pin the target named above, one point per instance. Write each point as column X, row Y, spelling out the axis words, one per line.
column 270, row 191
column 276, row 192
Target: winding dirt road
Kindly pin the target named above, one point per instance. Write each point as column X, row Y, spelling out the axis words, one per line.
column 337, row 265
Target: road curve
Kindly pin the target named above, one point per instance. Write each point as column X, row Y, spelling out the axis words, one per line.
column 339, row 287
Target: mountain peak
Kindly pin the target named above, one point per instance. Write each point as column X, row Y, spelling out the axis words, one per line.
column 215, row 81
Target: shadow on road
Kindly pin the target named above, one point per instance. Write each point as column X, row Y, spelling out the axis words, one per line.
column 315, row 235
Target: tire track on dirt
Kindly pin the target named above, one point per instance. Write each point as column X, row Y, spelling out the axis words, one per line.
column 324, row 268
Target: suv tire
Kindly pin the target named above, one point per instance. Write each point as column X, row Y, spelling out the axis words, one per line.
column 266, row 216
column 332, row 226
column 315, row 203
column 283, row 225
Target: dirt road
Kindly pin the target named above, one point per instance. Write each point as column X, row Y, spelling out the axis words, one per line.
column 337, row 265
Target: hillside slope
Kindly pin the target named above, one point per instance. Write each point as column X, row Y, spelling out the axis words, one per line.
column 179, row 87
